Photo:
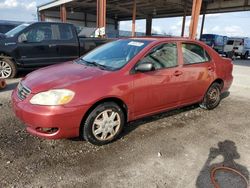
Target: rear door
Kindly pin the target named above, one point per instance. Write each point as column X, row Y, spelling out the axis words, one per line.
column 159, row 89
column 198, row 72
column 68, row 43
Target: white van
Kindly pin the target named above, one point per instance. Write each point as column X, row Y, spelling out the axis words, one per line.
column 238, row 46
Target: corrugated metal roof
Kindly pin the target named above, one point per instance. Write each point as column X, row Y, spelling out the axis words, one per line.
column 122, row 10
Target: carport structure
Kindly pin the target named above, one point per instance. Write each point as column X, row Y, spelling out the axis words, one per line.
column 110, row 12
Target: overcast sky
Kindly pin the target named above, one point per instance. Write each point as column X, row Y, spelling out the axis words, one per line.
column 229, row 24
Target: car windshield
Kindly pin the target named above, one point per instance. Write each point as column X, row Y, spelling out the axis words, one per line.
column 16, row 30
column 114, row 55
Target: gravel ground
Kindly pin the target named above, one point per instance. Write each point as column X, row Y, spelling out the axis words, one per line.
column 174, row 149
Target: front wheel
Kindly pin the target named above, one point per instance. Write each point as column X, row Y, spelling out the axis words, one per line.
column 7, row 68
column 212, row 98
column 104, row 124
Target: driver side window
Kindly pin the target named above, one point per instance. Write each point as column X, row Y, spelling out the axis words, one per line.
column 162, row 56
column 38, row 34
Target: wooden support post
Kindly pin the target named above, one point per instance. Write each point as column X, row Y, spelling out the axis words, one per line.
column 101, row 13
column 104, row 12
column 63, row 13
column 42, row 16
column 134, row 19
column 195, row 18
column 149, row 25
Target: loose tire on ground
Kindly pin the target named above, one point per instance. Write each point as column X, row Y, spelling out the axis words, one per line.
column 8, row 68
column 104, row 124
column 212, row 98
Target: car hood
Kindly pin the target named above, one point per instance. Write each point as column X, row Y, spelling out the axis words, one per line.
column 61, row 76
column 6, row 43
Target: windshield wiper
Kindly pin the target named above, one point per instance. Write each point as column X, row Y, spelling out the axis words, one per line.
column 93, row 63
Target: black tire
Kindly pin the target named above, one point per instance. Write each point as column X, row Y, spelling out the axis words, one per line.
column 89, row 126
column 230, row 55
column 11, row 66
column 212, row 97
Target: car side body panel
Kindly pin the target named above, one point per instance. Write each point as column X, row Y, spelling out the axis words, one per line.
column 143, row 94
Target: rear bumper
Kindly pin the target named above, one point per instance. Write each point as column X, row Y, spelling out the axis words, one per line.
column 66, row 120
column 227, row 84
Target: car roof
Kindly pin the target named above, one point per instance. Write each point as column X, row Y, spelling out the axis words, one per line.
column 162, row 38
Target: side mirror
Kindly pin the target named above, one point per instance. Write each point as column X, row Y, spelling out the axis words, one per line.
column 144, row 67
column 22, row 38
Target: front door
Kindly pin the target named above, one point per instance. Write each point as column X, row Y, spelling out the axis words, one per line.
column 159, row 89
column 38, row 48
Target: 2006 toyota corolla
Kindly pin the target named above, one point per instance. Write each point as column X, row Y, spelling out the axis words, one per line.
column 121, row 81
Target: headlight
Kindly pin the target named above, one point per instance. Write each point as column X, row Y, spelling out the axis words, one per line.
column 53, row 97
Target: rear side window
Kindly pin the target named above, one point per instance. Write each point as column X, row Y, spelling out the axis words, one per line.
column 193, row 53
column 230, row 42
column 66, row 32
column 163, row 56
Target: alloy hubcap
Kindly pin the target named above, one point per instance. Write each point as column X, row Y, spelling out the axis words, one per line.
column 213, row 96
column 106, row 125
column 5, row 69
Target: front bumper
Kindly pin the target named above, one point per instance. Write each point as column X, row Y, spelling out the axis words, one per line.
column 66, row 120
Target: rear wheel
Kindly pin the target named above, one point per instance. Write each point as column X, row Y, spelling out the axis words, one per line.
column 212, row 98
column 104, row 124
column 7, row 68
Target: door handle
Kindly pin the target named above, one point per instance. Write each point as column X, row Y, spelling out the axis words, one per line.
column 210, row 68
column 178, row 73
column 52, row 45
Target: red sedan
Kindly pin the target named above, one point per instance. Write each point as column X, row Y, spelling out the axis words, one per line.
column 95, row 95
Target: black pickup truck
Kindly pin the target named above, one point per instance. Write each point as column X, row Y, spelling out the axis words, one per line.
column 30, row 46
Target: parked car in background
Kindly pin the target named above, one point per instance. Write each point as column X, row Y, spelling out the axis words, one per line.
column 238, row 47
column 6, row 26
column 97, row 94
column 217, row 42
column 231, row 43
column 34, row 45
column 242, row 49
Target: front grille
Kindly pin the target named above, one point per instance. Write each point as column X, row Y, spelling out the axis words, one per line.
column 22, row 91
